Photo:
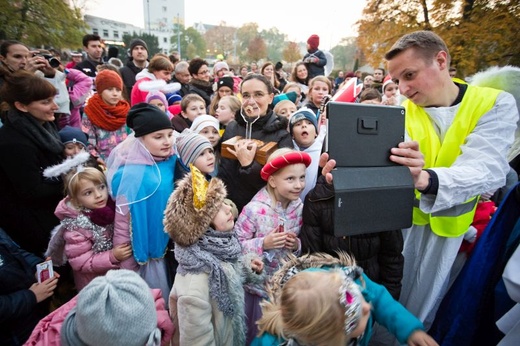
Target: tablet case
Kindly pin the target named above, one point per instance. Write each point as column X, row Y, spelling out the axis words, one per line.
column 361, row 135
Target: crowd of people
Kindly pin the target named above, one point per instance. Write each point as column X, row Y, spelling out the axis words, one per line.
column 181, row 203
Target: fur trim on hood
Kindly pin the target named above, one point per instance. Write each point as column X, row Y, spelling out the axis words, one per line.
column 182, row 221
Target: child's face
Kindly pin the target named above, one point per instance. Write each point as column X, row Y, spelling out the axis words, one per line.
column 286, row 109
column 92, row 196
column 224, row 220
column 211, row 134
column 288, row 183
column 72, row 149
column 224, row 91
column 391, row 90
column 159, row 143
column 304, row 133
column 206, row 161
column 318, row 90
column 158, row 103
column 362, row 324
column 194, row 109
column 111, row 96
column 224, row 114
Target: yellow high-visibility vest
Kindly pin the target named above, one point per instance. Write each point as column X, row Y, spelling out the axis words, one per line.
column 477, row 101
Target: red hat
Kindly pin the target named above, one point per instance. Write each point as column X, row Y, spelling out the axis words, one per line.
column 284, row 160
column 108, row 79
column 314, row 41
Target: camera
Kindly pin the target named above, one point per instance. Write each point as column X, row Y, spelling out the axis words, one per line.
column 52, row 60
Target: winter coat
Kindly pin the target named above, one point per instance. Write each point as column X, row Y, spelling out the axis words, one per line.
column 88, row 67
column 196, row 316
column 379, row 254
column 203, row 90
column 244, row 182
column 258, row 219
column 27, row 198
column 316, row 68
column 48, row 330
column 137, row 95
column 128, row 73
column 81, row 238
column 19, row 311
column 79, row 89
column 185, row 88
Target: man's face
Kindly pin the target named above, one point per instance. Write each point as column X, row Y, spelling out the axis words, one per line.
column 418, row 79
column 94, row 50
column 139, row 53
column 183, row 76
column 378, row 75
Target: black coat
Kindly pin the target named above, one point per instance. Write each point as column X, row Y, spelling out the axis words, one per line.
column 88, row 67
column 128, row 73
column 27, row 198
column 379, row 254
column 316, row 68
column 19, row 311
column 203, row 89
column 244, row 182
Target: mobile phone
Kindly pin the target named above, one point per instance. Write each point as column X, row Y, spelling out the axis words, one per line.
column 281, row 225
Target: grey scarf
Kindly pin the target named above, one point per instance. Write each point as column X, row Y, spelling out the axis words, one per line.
column 205, row 256
column 44, row 136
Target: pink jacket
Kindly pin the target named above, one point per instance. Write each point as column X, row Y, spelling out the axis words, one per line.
column 78, row 93
column 137, row 95
column 47, row 331
column 85, row 263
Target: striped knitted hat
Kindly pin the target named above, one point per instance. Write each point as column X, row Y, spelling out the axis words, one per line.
column 190, row 145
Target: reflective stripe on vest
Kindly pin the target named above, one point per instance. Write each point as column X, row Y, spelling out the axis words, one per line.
column 477, row 101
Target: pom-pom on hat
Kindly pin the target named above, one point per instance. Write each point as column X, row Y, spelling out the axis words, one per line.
column 203, row 121
column 303, row 114
column 137, row 42
column 108, row 79
column 156, row 95
column 225, row 82
column 313, row 41
column 144, row 119
column 190, row 145
column 284, row 160
column 117, row 306
column 70, row 134
column 192, row 207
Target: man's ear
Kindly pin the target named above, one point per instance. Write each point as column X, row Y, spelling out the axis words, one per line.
column 442, row 60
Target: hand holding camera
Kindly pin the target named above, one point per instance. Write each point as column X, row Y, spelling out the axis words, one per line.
column 43, row 62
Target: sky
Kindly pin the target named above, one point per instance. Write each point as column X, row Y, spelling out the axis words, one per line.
column 329, row 19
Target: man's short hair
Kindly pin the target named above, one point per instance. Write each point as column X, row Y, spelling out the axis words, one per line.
column 181, row 66
column 426, row 43
column 90, row 37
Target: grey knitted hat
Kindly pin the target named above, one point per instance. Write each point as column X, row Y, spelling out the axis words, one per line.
column 115, row 309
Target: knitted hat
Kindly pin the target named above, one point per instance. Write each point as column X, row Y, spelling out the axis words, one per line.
column 313, row 41
column 70, row 134
column 173, row 98
column 118, row 306
column 137, row 42
column 182, row 220
column 291, row 96
column 219, row 66
column 144, row 119
column 225, row 81
column 203, row 121
column 387, row 80
column 303, row 114
column 156, row 95
column 108, row 79
column 190, row 145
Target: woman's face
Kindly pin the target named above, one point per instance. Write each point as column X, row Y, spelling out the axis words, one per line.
column 165, row 75
column 301, row 72
column 268, row 71
column 42, row 110
column 203, row 73
column 318, row 90
column 16, row 57
column 255, row 98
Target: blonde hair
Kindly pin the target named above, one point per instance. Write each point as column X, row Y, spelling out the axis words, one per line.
column 308, row 309
column 187, row 99
column 274, row 155
column 72, row 181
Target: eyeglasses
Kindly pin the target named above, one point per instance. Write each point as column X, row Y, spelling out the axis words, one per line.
column 204, row 72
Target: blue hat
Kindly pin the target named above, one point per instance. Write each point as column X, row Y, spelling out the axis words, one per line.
column 291, row 96
column 172, row 98
column 70, row 134
column 303, row 114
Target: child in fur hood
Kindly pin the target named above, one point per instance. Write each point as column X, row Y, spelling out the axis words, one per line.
column 207, row 298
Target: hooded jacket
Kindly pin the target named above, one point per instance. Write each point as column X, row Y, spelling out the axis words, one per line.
column 244, row 182
column 379, row 254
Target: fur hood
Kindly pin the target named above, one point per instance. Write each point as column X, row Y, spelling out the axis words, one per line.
column 182, row 221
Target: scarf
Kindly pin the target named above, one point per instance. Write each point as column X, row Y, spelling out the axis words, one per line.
column 43, row 135
column 103, row 216
column 205, row 256
column 105, row 116
column 206, row 86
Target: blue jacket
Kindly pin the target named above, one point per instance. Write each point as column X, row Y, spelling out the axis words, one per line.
column 19, row 311
column 315, row 68
column 385, row 311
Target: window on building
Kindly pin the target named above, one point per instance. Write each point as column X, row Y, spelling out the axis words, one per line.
column 95, row 31
column 165, row 39
column 105, row 33
column 126, row 33
column 116, row 34
column 164, row 9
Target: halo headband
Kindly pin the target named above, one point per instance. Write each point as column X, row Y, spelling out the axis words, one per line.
column 284, row 161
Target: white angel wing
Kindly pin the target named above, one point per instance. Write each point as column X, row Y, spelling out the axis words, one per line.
column 330, row 62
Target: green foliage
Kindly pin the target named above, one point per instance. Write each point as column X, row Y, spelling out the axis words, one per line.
column 48, row 23
column 245, row 34
column 344, row 54
column 151, row 41
column 257, row 49
column 275, row 41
